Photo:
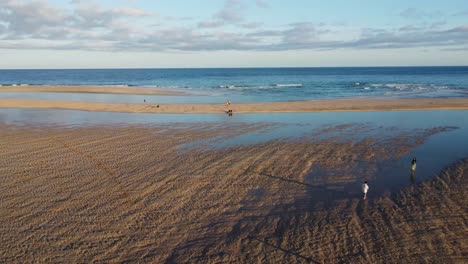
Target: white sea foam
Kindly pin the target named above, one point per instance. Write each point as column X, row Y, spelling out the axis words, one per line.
column 19, row 84
column 409, row 86
column 259, row 87
column 229, row 86
column 417, row 89
column 289, row 85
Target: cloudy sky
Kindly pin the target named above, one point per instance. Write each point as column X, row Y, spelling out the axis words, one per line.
column 231, row 33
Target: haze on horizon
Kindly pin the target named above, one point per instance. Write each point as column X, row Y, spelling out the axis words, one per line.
column 231, row 33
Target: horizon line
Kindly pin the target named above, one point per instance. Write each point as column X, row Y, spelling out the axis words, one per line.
column 260, row 67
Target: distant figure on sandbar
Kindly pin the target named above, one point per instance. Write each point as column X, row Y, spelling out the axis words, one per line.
column 144, row 100
column 365, row 188
column 228, row 107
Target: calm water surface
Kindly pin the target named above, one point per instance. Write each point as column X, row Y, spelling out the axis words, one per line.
column 438, row 151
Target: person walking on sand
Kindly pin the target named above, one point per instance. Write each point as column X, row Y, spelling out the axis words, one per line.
column 365, row 188
column 228, row 105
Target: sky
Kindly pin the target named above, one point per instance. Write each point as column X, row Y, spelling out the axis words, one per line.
column 231, row 33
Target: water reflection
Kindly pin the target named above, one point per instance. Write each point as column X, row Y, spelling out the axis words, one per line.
column 437, row 152
column 413, row 177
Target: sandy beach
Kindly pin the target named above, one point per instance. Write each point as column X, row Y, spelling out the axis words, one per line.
column 86, row 89
column 233, row 131
column 351, row 105
column 132, row 194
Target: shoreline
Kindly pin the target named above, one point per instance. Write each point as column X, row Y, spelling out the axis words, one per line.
column 345, row 105
column 86, row 89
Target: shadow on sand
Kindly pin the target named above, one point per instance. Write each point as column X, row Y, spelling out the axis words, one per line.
column 315, row 193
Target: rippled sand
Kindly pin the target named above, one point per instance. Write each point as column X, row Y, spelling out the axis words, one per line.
column 140, row 194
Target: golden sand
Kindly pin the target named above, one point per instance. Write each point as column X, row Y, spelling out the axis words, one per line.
column 354, row 105
column 130, row 194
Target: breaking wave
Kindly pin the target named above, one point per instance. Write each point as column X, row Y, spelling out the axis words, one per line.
column 260, row 87
column 411, row 89
column 14, row 84
column 289, row 85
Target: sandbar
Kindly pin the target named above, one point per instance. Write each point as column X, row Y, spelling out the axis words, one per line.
column 87, row 89
column 348, row 105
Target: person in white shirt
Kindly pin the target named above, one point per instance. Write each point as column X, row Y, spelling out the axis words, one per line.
column 413, row 165
column 365, row 188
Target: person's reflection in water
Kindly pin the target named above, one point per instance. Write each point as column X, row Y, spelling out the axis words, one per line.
column 413, row 171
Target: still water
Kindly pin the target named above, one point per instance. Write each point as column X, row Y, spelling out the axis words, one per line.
column 437, row 152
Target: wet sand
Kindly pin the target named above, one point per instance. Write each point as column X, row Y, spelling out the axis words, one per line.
column 86, row 89
column 132, row 194
column 351, row 105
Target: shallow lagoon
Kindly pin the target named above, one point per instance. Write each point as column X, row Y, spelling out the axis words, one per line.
column 437, row 152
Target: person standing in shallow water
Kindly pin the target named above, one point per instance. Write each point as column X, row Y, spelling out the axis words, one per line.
column 365, row 188
column 413, row 165
column 413, row 171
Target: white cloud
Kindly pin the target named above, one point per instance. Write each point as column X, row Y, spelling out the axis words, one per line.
column 37, row 24
column 130, row 12
column 210, row 24
column 232, row 12
column 24, row 18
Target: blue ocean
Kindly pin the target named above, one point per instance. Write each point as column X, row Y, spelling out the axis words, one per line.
column 245, row 85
